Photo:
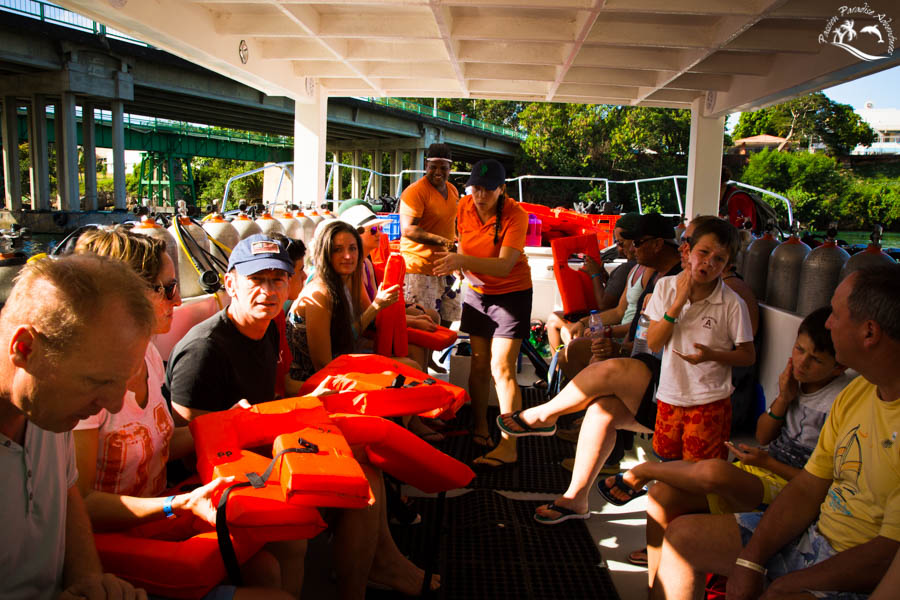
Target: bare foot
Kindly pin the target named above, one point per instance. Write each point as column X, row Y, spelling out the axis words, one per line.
column 402, row 576
column 527, row 418
column 547, row 513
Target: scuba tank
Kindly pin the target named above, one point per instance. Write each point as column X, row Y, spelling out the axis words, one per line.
column 149, row 227
column 871, row 256
column 223, row 232
column 820, row 274
column 191, row 242
column 244, row 225
column 747, row 238
column 291, row 226
column 308, row 228
column 314, row 216
column 326, row 215
column 268, row 224
column 756, row 263
column 784, row 272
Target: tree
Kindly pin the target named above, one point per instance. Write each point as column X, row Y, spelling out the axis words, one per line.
column 809, row 119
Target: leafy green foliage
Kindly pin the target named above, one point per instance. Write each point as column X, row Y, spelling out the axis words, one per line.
column 809, row 119
column 822, row 192
column 211, row 175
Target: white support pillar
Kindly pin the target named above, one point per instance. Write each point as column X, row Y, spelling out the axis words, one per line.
column 397, row 163
column 10, row 136
column 37, row 147
column 337, row 186
column 118, row 148
column 310, row 123
column 67, row 155
column 89, row 147
column 704, row 162
column 376, row 179
column 355, row 188
column 418, row 162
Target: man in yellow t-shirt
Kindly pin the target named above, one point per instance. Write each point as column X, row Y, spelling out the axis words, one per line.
column 428, row 224
column 834, row 529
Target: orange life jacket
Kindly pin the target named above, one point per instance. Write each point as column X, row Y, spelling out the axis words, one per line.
column 390, row 322
column 174, row 558
column 575, row 287
column 349, row 366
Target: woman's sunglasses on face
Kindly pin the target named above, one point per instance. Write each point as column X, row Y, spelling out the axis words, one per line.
column 374, row 230
column 167, row 289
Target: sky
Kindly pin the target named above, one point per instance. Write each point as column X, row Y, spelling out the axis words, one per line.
column 882, row 89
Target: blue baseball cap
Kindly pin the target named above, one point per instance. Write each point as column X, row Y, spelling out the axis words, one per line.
column 258, row 253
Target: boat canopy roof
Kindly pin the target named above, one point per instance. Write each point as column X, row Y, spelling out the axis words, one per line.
column 717, row 55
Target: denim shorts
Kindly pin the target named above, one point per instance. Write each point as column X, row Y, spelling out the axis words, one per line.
column 809, row 549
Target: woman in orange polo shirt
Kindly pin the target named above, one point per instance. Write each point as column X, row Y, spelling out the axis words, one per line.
column 497, row 303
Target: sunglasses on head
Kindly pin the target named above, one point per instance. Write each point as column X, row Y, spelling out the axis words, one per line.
column 374, row 230
column 167, row 289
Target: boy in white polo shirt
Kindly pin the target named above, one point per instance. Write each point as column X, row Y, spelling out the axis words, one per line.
column 704, row 330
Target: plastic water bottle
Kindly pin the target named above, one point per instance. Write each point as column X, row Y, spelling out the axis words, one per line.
column 595, row 323
column 640, row 336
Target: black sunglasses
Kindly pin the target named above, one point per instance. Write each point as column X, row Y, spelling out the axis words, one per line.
column 168, row 289
column 639, row 243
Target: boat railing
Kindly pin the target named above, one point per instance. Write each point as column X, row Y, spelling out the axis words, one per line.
column 334, row 166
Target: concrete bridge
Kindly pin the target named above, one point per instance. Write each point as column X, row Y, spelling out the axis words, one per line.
column 45, row 64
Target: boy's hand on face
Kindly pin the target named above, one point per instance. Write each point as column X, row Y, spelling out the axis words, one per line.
column 683, row 285
column 788, row 386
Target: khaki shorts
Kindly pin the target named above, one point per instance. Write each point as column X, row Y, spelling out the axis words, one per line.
column 440, row 293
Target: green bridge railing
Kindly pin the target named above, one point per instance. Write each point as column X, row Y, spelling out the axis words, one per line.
column 447, row 116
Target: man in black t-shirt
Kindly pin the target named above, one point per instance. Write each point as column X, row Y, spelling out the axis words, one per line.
column 232, row 355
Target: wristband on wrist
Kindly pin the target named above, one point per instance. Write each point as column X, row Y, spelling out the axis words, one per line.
column 167, row 507
column 774, row 416
column 749, row 564
column 666, row 317
column 595, row 275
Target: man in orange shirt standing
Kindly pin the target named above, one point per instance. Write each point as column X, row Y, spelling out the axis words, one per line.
column 428, row 224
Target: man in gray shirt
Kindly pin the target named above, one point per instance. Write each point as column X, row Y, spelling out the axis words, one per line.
column 75, row 330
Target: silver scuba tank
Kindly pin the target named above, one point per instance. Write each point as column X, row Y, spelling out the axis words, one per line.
column 223, row 232
column 756, row 264
column 783, row 280
column 820, row 274
column 871, row 256
column 268, row 224
column 245, row 226
column 188, row 276
column 149, row 227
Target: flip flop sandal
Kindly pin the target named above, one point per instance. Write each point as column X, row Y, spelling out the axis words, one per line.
column 638, row 557
column 565, row 514
column 526, row 428
column 485, row 441
column 490, row 467
column 620, row 484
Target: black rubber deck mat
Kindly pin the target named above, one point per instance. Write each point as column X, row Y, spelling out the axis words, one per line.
column 492, row 549
column 538, row 469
